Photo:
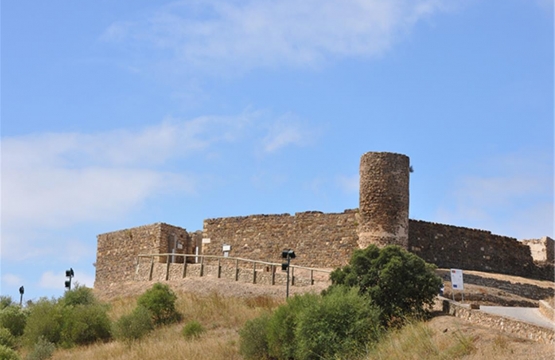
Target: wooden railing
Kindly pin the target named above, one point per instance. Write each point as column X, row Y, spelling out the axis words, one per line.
column 202, row 264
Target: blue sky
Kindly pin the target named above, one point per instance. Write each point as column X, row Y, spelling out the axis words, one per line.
column 118, row 114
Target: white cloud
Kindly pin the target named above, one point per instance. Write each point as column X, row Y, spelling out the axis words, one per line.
column 12, row 280
column 55, row 280
column 349, row 184
column 247, row 34
column 513, row 197
column 288, row 130
column 57, row 180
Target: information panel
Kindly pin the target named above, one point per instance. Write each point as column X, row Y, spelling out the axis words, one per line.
column 457, row 279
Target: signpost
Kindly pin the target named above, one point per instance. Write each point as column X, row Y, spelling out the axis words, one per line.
column 457, row 282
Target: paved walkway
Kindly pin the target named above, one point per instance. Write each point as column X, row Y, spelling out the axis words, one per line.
column 529, row 315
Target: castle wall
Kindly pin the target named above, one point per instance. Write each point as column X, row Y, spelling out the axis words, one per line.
column 117, row 251
column 318, row 239
column 543, row 250
column 384, row 199
column 470, row 249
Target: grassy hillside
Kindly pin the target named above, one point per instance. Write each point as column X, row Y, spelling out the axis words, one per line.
column 443, row 337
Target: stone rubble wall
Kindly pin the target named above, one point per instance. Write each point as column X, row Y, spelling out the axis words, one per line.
column 117, row 251
column 514, row 327
column 470, row 249
column 319, row 240
column 383, row 199
column 261, row 275
column 542, row 250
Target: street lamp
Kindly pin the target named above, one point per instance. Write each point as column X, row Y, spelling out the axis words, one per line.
column 69, row 274
column 287, row 254
column 21, row 291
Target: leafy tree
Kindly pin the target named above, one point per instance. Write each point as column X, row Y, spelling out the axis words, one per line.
column 8, row 354
column 14, row 319
column 159, row 300
column 133, row 326
column 79, row 295
column 85, row 324
column 342, row 323
column 45, row 320
column 399, row 282
column 5, row 301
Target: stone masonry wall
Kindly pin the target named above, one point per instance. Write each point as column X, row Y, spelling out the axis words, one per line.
column 543, row 250
column 470, row 249
column 383, row 199
column 117, row 251
column 318, row 239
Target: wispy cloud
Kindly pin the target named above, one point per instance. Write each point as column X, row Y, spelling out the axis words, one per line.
column 288, row 130
column 241, row 35
column 55, row 280
column 514, row 197
column 58, row 180
column 12, row 280
column 349, row 184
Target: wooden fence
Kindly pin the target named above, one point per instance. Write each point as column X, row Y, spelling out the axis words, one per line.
column 222, row 259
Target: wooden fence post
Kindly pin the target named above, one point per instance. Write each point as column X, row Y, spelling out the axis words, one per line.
column 151, row 268
column 254, row 273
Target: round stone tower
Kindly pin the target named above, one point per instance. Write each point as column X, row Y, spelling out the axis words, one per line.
column 383, row 200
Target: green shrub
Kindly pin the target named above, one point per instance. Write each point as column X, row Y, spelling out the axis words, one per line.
column 192, row 330
column 160, row 302
column 5, row 301
column 8, row 354
column 133, row 326
column 42, row 350
column 85, row 324
column 45, row 320
column 6, row 338
column 79, row 295
column 282, row 325
column 14, row 319
column 399, row 282
column 253, row 344
column 342, row 323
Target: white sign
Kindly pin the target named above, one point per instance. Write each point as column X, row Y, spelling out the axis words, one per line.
column 206, row 241
column 226, row 248
column 457, row 279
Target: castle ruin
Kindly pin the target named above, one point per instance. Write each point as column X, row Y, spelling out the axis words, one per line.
column 327, row 240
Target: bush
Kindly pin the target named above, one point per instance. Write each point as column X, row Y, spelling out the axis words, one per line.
column 45, row 320
column 6, row 338
column 133, row 326
column 14, row 319
column 282, row 325
column 79, row 295
column 160, row 302
column 399, row 282
column 5, row 301
column 8, row 354
column 342, row 323
column 85, row 324
column 42, row 350
column 253, row 343
column 192, row 330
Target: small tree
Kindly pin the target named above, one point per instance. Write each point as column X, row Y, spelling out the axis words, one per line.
column 133, row 326
column 159, row 300
column 399, row 282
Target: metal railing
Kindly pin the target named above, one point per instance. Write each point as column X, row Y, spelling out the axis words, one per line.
column 202, row 264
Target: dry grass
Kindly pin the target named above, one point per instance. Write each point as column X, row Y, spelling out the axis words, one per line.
column 419, row 341
column 222, row 317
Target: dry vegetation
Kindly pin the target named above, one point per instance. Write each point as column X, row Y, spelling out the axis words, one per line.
column 222, row 307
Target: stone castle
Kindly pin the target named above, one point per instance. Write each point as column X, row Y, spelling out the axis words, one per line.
column 324, row 240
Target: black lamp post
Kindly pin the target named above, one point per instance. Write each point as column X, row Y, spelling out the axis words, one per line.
column 69, row 274
column 287, row 254
column 21, row 291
